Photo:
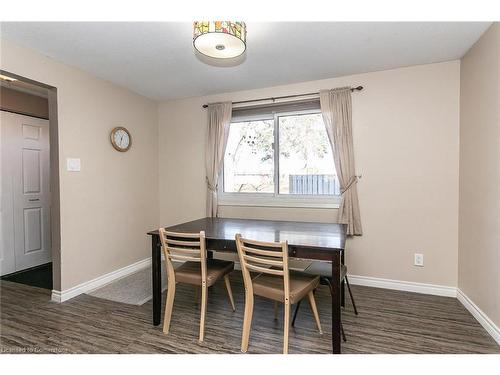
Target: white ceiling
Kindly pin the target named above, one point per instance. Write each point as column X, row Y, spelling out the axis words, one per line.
column 157, row 59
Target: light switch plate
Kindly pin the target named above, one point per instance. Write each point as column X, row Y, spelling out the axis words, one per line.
column 73, row 165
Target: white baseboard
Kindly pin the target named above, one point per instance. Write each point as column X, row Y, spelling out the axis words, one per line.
column 437, row 290
column 480, row 316
column 407, row 286
column 61, row 296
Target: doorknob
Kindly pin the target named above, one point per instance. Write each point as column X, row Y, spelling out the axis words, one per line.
column 34, row 199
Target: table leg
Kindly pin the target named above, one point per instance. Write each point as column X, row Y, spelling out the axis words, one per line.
column 156, row 271
column 342, row 285
column 336, row 303
column 342, row 293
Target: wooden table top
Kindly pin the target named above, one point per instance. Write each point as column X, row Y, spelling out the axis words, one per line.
column 300, row 234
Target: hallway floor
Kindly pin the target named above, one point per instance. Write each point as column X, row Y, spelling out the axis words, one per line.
column 39, row 276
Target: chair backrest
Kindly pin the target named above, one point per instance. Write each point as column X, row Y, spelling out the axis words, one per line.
column 263, row 257
column 184, row 247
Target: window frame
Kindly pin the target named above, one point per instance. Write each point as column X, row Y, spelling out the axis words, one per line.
column 274, row 199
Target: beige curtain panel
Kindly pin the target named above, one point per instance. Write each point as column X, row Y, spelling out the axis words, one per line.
column 219, row 118
column 336, row 108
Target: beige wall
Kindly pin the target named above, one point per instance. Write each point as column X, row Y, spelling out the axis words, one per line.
column 479, row 240
column 108, row 206
column 406, row 138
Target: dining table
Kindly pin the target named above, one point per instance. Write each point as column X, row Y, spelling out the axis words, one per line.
column 306, row 240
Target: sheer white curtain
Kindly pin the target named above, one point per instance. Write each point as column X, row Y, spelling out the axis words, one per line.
column 336, row 108
column 219, row 118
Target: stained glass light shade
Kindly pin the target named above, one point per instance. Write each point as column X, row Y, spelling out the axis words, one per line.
column 220, row 39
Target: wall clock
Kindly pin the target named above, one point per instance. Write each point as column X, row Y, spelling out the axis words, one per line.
column 121, row 139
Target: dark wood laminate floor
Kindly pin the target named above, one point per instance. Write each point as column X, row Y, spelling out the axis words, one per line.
column 389, row 322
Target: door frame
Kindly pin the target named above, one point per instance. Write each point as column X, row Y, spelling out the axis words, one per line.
column 55, row 213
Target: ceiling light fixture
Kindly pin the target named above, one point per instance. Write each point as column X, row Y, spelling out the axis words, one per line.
column 6, row 78
column 220, row 39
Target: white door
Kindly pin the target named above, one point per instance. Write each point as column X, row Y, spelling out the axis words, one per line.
column 25, row 178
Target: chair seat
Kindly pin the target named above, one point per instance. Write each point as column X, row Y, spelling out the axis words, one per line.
column 272, row 287
column 190, row 272
column 324, row 269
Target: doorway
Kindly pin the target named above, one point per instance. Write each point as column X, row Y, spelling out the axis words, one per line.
column 27, row 206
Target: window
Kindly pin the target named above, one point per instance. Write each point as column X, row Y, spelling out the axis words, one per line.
column 249, row 158
column 279, row 158
column 305, row 156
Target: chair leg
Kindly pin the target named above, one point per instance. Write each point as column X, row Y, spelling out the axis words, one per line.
column 276, row 310
column 229, row 291
column 314, row 309
column 342, row 331
column 169, row 307
column 286, row 327
column 247, row 321
column 203, row 311
column 352, row 298
column 295, row 313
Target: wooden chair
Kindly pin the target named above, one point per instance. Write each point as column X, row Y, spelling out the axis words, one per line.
column 324, row 271
column 196, row 270
column 274, row 281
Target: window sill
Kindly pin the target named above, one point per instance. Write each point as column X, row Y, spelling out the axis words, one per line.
column 321, row 203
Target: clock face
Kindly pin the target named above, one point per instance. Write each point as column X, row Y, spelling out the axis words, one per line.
column 120, row 138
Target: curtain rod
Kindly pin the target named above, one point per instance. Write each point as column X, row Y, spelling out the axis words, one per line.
column 358, row 88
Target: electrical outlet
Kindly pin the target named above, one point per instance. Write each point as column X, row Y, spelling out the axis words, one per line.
column 419, row 260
